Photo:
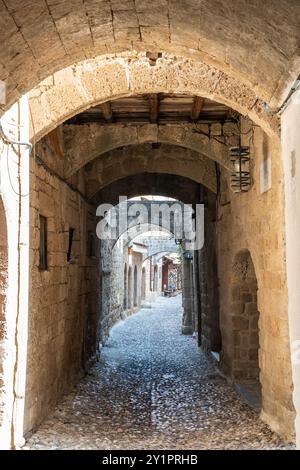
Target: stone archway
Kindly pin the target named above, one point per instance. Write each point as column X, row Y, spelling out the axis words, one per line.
column 133, row 160
column 3, row 286
column 119, row 142
column 245, row 318
column 95, row 81
column 206, row 30
column 155, row 278
column 167, row 185
column 191, row 57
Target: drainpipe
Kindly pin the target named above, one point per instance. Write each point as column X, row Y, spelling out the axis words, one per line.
column 295, row 87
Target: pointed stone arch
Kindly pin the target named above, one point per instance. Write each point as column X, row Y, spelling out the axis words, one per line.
column 245, row 318
column 94, row 81
column 155, row 278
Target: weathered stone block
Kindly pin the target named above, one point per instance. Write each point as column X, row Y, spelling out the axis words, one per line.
column 239, row 322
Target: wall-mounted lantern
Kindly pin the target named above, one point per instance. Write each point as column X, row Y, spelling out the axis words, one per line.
column 188, row 255
column 240, row 168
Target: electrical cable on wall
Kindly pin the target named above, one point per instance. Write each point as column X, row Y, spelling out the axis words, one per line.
column 10, row 143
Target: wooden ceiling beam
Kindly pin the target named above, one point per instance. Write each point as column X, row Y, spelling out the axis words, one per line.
column 106, row 110
column 56, row 142
column 197, row 108
column 154, row 108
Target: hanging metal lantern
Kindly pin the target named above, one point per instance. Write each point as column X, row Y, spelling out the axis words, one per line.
column 240, row 164
column 187, row 254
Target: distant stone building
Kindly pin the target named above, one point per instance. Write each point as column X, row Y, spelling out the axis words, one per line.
column 171, row 273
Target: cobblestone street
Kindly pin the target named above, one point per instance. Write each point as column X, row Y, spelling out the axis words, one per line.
column 153, row 389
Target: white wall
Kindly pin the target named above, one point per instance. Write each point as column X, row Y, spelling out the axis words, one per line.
column 15, row 181
column 291, row 161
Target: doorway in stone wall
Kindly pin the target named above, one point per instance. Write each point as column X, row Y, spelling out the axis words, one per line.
column 143, row 289
column 245, row 329
column 129, row 283
column 135, row 288
column 125, row 298
column 155, row 288
column 3, row 285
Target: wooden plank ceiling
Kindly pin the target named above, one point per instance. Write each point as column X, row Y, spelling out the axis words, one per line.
column 156, row 108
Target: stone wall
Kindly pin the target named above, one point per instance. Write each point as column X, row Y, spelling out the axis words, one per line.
column 209, row 324
column 188, row 320
column 113, row 258
column 254, row 221
column 64, row 297
column 245, row 318
column 116, row 262
column 60, row 34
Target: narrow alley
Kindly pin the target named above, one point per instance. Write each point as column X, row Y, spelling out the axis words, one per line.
column 153, row 389
column 149, row 224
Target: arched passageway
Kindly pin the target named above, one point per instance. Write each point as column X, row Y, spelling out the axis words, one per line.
column 190, row 169
column 155, row 278
column 158, row 116
column 148, row 165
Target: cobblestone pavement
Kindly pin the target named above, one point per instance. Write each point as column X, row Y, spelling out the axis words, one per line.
column 153, row 389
